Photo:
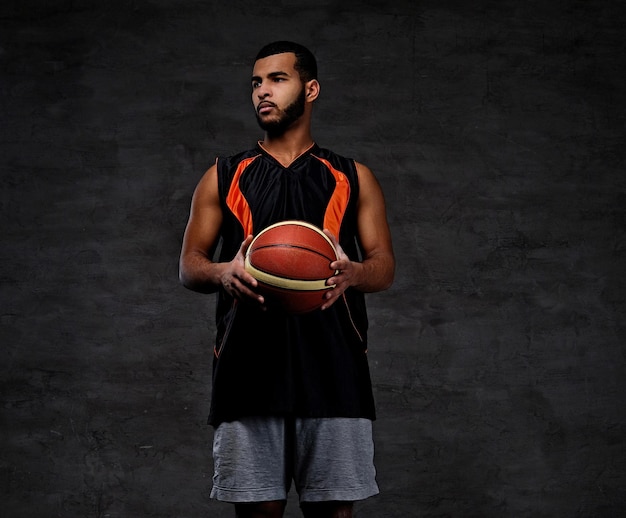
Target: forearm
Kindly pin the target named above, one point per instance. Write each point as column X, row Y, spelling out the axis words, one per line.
column 198, row 273
column 375, row 273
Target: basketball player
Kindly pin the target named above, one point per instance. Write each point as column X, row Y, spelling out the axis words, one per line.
column 292, row 397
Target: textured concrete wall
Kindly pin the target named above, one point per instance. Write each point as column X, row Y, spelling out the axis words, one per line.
column 497, row 132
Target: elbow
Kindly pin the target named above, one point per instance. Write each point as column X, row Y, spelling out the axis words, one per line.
column 390, row 273
column 185, row 276
column 388, row 279
column 191, row 283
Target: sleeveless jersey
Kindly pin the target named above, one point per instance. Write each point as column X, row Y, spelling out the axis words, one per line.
column 269, row 362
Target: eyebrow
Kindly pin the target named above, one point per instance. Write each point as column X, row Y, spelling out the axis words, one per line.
column 271, row 75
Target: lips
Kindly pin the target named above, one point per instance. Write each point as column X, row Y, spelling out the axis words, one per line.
column 265, row 106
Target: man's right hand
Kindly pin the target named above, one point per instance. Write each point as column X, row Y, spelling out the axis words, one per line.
column 236, row 281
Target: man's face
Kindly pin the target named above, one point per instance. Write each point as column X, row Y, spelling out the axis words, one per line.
column 278, row 94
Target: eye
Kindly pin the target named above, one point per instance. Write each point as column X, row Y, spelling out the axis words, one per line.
column 256, row 84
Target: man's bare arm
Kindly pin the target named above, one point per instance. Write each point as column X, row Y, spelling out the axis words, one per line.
column 197, row 270
column 376, row 271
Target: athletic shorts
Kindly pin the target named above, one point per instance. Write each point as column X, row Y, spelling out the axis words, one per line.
column 255, row 459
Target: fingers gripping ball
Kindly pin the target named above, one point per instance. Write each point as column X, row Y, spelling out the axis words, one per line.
column 291, row 262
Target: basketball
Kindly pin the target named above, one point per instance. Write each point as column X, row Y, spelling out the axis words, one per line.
column 291, row 262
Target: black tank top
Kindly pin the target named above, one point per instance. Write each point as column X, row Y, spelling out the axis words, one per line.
column 269, row 362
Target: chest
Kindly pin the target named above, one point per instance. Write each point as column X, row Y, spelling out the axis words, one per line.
column 274, row 193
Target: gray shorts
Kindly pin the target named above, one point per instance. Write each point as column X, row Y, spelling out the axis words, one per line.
column 256, row 459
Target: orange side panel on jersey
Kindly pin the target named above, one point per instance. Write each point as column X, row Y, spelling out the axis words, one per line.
column 237, row 202
column 338, row 203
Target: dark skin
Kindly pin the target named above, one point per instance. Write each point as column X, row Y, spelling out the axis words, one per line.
column 199, row 272
column 275, row 85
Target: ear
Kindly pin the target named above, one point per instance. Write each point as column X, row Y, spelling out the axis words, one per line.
column 312, row 90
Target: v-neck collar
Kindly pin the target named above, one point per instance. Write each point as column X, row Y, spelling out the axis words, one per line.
column 306, row 152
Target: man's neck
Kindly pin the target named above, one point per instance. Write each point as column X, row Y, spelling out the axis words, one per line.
column 287, row 147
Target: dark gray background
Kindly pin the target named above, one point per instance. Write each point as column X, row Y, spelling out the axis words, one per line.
column 497, row 132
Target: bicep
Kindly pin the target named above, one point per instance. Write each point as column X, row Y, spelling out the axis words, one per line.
column 374, row 232
column 205, row 217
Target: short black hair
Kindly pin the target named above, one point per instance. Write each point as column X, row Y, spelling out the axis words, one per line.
column 306, row 65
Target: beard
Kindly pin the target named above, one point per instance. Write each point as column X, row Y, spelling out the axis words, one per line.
column 285, row 118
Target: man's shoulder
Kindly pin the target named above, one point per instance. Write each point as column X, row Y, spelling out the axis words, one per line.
column 227, row 164
column 239, row 156
column 323, row 152
column 340, row 161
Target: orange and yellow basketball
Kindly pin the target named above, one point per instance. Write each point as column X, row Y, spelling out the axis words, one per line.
column 291, row 262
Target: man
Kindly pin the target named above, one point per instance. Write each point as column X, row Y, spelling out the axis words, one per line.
column 292, row 397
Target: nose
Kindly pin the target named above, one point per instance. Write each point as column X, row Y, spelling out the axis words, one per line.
column 262, row 91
